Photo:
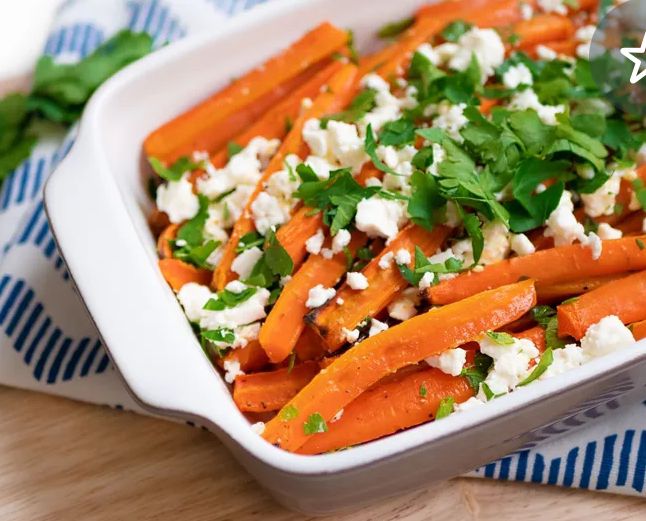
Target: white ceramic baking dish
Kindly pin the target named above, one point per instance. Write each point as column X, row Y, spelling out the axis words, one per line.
column 97, row 205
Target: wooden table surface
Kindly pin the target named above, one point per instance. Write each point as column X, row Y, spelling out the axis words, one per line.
column 62, row 460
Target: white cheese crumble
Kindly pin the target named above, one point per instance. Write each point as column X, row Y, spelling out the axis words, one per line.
column 595, row 244
column 386, row 259
column 244, row 263
column 267, row 213
column 545, row 53
column 402, row 256
column 584, row 36
column 606, row 336
column 340, row 301
column 602, row 200
column 553, row 6
column 341, row 240
column 521, row 245
column 487, row 47
column 496, row 245
column 426, row 281
column 608, row 233
column 232, row 370
column 528, row 99
column 404, row 306
column 517, row 75
column 471, row 403
column 319, row 295
column 562, row 224
column 450, row 362
column 526, row 11
column 565, row 359
column 510, row 362
column 357, row 280
column 258, row 427
column 350, row 335
column 376, row 327
column 379, row 217
column 451, row 119
column 177, row 200
column 314, row 244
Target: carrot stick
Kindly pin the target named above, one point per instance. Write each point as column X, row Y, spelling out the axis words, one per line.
column 163, row 241
column 383, row 285
column 251, row 357
column 201, row 126
column 284, row 324
column 274, row 123
column 639, row 329
column 633, row 224
column 560, row 47
column 177, row 273
column 535, row 334
column 309, row 346
column 341, row 88
column 454, row 9
column 551, row 266
column 405, row 344
column 625, row 298
column 544, row 28
column 269, row 391
column 548, row 293
column 373, row 61
column 389, row 407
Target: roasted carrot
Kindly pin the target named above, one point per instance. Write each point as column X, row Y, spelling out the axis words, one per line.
column 201, row 126
column 158, row 221
column 309, row 346
column 163, row 241
column 560, row 47
column 551, row 266
column 535, row 334
column 177, row 273
column 284, row 324
column 274, row 124
column 341, row 88
column 544, row 28
column 294, row 234
column 633, row 224
column 269, row 391
column 456, row 8
column 639, row 329
column 251, row 357
column 407, row 343
column 625, row 298
column 548, row 293
column 404, row 402
column 383, row 285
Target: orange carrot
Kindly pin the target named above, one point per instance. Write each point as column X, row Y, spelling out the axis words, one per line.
column 309, row 346
column 544, row 28
column 158, row 221
column 284, row 324
column 404, row 344
column 269, row 391
column 560, row 47
column 383, row 285
column 275, row 122
column 341, row 89
column 551, row 266
column 177, row 273
column 251, row 357
column 639, row 329
column 625, row 298
column 294, row 234
column 404, row 402
column 548, row 293
column 201, row 126
column 163, row 241
column 633, row 224
column 454, row 9
column 535, row 334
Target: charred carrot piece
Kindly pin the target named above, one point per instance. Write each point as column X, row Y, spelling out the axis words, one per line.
column 201, row 126
column 551, row 266
column 177, row 273
column 388, row 408
column 366, row 363
column 269, row 391
column 341, row 88
column 284, row 324
column 158, row 221
column 625, row 298
column 549, row 293
column 383, row 285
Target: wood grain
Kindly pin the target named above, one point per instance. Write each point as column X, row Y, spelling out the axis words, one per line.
column 61, row 460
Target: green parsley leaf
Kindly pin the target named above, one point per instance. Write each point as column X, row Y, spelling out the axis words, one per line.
column 277, row 258
column 363, row 103
column 191, row 231
column 640, row 244
column 175, row 171
column 15, row 141
column 288, row 413
column 445, row 408
column 370, row 147
column 477, row 373
column 196, row 255
column 314, row 424
column 546, row 360
column 473, row 227
column 394, row 29
column 233, row 148
column 545, row 316
column 500, row 338
column 423, row 391
column 249, row 240
column 424, row 200
column 222, row 335
column 228, row 299
column 453, row 31
column 413, row 276
column 398, row 132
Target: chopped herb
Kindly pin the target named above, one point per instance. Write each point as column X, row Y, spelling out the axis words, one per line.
column 175, row 171
column 196, row 255
column 362, row 103
column 546, row 360
column 291, row 362
column 289, row 124
column 193, row 247
column 570, row 300
column 486, row 390
column 423, row 391
column 477, row 373
column 500, row 338
column 545, row 316
column 394, row 29
column 249, row 240
column 370, row 147
column 453, row 31
column 640, row 243
column 228, row 299
column 640, row 192
column 445, row 408
column 398, row 133
column 513, row 39
column 287, row 413
column 223, row 335
column 314, row 424
column 233, row 148
column 274, row 263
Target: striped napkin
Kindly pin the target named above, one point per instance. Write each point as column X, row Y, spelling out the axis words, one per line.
column 48, row 343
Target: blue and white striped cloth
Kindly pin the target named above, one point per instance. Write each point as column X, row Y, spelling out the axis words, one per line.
column 47, row 342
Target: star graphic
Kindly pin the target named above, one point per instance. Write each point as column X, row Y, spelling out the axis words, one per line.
column 630, row 52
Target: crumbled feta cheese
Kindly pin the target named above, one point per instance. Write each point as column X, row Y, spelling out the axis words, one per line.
column 404, row 307
column 387, row 259
column 426, row 281
column 327, row 253
column 258, row 428
column 402, row 256
column 341, row 240
column 450, row 362
column 319, row 295
column 602, row 200
column 606, row 336
column 376, row 327
column 346, row 144
column 607, row 232
column 357, row 280
column 584, row 36
column 426, row 50
column 306, row 103
column 562, row 223
column 487, row 47
column 177, row 200
column 350, row 335
column 251, row 310
column 267, row 213
column 315, row 137
column 526, row 11
column 510, row 362
column 527, row 99
column 595, row 244
column 314, row 244
column 373, row 181
column 521, row 245
column 232, row 370
column 496, row 245
column 565, row 359
column 471, row 403
column 321, row 166
column 375, row 82
column 340, row 301
column 244, row 263
column 451, row 119
column 192, row 297
column 337, row 416
column 235, row 286
column 517, row 75
column 545, row 53
column 379, row 217
column 553, row 6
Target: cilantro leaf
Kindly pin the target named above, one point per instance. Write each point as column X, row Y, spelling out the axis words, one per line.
column 315, row 423
column 546, row 360
column 249, row 240
column 473, row 227
column 445, row 408
column 191, row 231
column 222, row 335
column 196, row 255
